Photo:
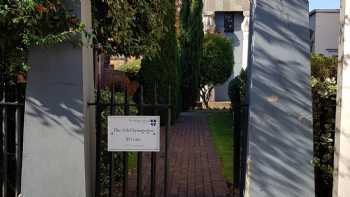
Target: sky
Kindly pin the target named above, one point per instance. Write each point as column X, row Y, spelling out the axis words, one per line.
column 324, row 4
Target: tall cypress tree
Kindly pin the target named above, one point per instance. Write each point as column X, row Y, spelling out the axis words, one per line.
column 191, row 41
column 163, row 67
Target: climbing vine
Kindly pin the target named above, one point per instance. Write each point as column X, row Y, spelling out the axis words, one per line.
column 27, row 23
column 120, row 27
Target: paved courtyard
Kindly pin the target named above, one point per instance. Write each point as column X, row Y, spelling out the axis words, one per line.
column 194, row 168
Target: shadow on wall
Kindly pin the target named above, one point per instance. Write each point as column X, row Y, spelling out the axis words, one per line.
column 56, row 136
column 280, row 119
column 55, row 89
column 50, row 115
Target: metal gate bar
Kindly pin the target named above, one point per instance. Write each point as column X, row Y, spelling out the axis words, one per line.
column 4, row 150
column 244, row 148
column 139, row 155
column 98, row 139
column 11, row 139
column 237, row 133
column 110, row 154
column 153, row 155
column 19, row 147
column 125, row 154
column 166, row 162
column 240, row 136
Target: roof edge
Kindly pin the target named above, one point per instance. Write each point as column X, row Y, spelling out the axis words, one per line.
column 324, row 11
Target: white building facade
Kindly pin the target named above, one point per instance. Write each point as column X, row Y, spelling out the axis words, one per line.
column 230, row 18
column 324, row 27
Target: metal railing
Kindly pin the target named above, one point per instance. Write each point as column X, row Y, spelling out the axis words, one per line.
column 240, row 141
column 110, row 107
column 11, row 139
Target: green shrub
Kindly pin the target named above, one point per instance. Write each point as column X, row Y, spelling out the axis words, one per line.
column 238, row 82
column 131, row 68
column 232, row 88
column 216, row 64
column 130, row 28
column 29, row 23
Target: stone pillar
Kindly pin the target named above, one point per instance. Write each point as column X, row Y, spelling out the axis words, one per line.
column 280, row 134
column 245, row 42
column 209, row 22
column 58, row 127
column 341, row 178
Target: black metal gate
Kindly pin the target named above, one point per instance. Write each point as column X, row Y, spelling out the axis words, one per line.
column 112, row 167
column 240, row 139
column 11, row 128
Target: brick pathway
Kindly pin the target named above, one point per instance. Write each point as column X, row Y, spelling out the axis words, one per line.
column 194, row 168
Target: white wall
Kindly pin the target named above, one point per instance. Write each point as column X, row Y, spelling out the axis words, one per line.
column 326, row 27
column 280, row 134
column 341, row 176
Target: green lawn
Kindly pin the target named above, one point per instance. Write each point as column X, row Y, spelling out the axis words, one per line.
column 220, row 125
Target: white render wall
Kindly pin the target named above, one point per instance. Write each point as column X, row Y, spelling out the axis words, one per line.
column 341, row 181
column 280, row 132
column 58, row 143
column 225, row 5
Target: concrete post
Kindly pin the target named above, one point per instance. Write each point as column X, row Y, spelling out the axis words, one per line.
column 280, row 134
column 58, row 150
column 341, row 176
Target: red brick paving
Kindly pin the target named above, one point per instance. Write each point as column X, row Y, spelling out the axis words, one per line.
column 194, row 168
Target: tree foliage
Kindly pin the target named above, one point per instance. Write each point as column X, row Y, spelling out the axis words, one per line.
column 216, row 64
column 35, row 22
column 162, row 67
column 191, row 40
column 324, row 92
column 124, row 27
column 128, row 27
column 26, row 23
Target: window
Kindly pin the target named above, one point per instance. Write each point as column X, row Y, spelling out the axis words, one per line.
column 229, row 22
column 332, row 50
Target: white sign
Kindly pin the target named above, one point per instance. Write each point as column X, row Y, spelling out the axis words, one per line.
column 133, row 133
